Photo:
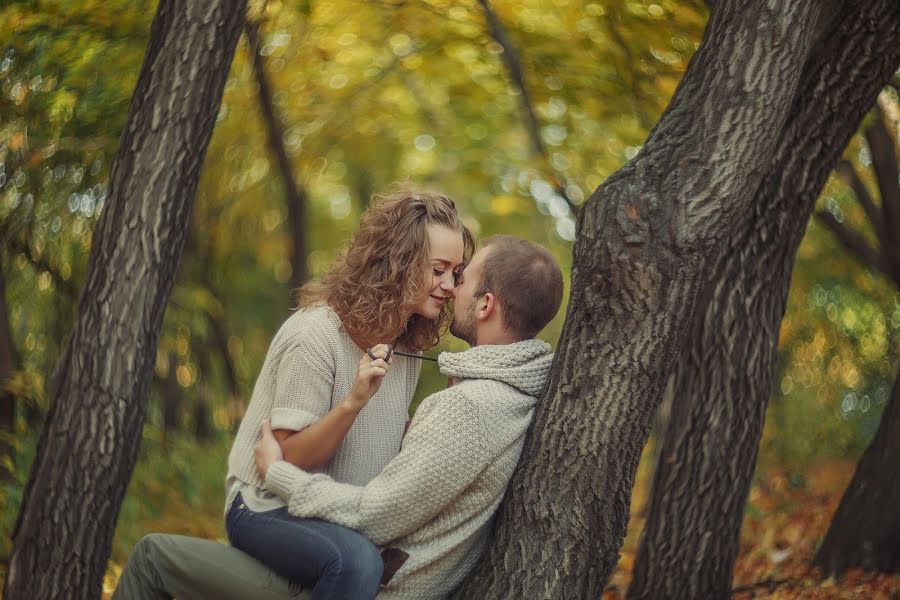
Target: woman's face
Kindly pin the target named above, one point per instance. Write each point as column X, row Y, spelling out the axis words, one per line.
column 446, row 255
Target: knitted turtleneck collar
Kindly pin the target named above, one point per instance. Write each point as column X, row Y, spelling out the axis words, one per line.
column 524, row 365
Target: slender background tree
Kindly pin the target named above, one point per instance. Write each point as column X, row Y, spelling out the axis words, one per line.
column 865, row 530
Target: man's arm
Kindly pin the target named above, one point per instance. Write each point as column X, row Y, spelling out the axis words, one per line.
column 442, row 455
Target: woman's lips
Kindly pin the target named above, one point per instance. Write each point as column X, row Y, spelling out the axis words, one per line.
column 438, row 299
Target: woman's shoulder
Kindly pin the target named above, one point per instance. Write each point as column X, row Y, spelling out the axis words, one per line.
column 317, row 322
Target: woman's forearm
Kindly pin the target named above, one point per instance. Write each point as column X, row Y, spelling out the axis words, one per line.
column 313, row 446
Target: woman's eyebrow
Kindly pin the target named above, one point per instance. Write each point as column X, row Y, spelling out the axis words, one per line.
column 441, row 260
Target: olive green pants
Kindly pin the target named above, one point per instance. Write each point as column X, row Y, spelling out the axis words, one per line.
column 175, row 566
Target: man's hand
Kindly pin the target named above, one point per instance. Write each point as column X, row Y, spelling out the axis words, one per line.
column 267, row 450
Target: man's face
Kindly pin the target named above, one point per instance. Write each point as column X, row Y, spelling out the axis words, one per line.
column 464, row 325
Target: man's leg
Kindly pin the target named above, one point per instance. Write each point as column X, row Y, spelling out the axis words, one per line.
column 336, row 562
column 163, row 567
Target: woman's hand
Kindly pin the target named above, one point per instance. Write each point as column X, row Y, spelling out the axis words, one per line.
column 369, row 375
column 267, row 450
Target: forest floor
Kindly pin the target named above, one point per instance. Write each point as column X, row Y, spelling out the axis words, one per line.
column 786, row 517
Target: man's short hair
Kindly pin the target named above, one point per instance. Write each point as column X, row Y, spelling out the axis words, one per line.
column 526, row 280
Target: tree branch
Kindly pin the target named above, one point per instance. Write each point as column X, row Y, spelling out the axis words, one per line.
column 220, row 339
column 295, row 195
column 854, row 242
column 42, row 264
column 637, row 98
column 532, row 126
column 884, row 162
column 514, row 68
column 847, row 172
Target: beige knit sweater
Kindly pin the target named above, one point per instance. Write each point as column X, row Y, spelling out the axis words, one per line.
column 437, row 498
column 309, row 368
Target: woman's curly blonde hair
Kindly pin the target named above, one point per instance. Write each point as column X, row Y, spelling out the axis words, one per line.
column 381, row 276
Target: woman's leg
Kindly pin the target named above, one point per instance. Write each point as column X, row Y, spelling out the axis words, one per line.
column 336, row 562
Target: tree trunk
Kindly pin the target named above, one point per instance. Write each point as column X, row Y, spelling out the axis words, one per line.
column 646, row 239
column 90, row 442
column 725, row 371
column 171, row 397
column 865, row 530
column 201, row 418
column 7, row 399
column 294, row 194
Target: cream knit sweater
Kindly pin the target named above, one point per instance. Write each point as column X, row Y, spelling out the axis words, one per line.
column 309, row 368
column 437, row 498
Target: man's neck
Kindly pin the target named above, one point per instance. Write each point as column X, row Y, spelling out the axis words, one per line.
column 494, row 336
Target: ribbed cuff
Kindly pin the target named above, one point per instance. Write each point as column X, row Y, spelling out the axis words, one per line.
column 283, row 479
column 293, row 419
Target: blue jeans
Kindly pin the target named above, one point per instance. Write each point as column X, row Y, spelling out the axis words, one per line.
column 333, row 561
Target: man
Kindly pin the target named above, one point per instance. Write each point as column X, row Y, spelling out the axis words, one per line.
column 432, row 506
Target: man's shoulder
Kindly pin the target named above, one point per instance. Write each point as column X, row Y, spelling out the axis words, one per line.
column 474, row 394
column 480, row 390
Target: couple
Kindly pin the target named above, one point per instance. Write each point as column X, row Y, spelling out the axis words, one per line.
column 320, row 492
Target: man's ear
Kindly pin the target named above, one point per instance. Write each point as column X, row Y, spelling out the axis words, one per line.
column 487, row 306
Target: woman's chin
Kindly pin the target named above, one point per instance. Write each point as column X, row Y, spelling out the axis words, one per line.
column 431, row 313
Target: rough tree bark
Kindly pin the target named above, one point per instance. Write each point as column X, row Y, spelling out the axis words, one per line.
column 89, row 444
column 723, row 377
column 294, row 193
column 865, row 529
column 645, row 240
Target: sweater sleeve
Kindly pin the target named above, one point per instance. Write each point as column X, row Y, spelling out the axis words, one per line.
column 304, row 382
column 441, row 456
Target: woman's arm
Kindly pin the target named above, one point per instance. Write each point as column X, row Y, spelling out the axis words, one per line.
column 314, row 445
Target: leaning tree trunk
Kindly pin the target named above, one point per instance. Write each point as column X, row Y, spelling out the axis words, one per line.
column 89, row 444
column 640, row 260
column 865, row 530
column 725, row 370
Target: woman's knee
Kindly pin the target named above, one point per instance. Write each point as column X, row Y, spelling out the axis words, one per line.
column 361, row 562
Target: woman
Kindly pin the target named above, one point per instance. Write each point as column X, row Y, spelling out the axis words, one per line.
column 336, row 398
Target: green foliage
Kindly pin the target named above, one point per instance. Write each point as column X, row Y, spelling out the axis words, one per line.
column 177, row 487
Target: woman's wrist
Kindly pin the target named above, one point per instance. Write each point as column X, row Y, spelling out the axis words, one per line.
column 352, row 404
